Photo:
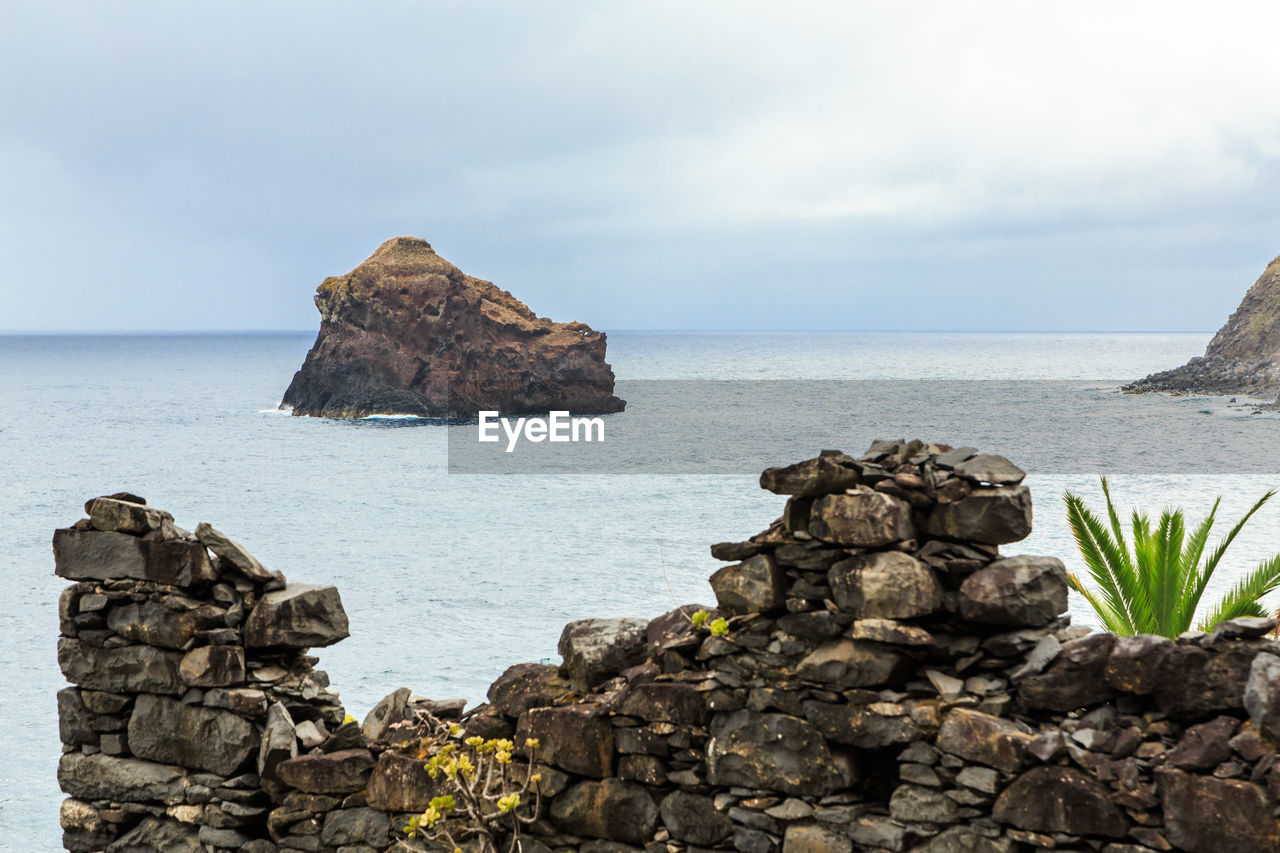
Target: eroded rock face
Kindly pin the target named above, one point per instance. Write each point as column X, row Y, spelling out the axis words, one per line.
column 1018, row 591
column 170, row 732
column 407, row 332
column 1060, row 799
column 1206, row 815
column 1242, row 358
column 771, row 751
column 596, row 649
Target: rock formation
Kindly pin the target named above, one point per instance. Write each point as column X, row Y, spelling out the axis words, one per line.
column 875, row 676
column 407, row 332
column 1243, row 358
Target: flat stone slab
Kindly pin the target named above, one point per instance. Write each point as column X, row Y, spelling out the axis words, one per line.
column 100, row 555
column 168, row 731
column 105, row 777
column 128, row 669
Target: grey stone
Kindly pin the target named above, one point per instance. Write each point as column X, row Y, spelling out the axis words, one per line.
column 98, row 555
column 1204, row 746
column 232, row 553
column 993, row 515
column 757, row 585
column 771, row 751
column 852, row 663
column 913, row 804
column 153, row 834
column 245, row 701
column 1075, row 679
column 880, row 631
column 170, row 622
column 694, row 819
column 213, row 666
column 1134, row 663
column 962, row 839
column 1017, row 591
column 356, row 826
column 595, row 650
column 990, row 469
column 390, row 710
column 865, row 519
column 278, row 742
column 862, row 727
column 75, row 722
column 106, row 777
column 666, row 701
column 298, row 616
column 885, row 585
column 1262, row 694
column 1194, row 682
column 127, row 669
column 527, row 685
column 575, row 738
column 168, row 731
column 610, row 808
column 113, row 515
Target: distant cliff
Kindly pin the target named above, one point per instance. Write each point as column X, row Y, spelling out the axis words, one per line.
column 407, row 332
column 1243, row 358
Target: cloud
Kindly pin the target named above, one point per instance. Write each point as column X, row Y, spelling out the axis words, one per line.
column 642, row 164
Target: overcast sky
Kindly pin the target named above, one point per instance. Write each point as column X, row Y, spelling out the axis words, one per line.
column 708, row 165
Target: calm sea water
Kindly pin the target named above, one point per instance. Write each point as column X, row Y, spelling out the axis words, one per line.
column 448, row 579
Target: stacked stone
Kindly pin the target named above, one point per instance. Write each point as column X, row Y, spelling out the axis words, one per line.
column 885, row 681
column 181, row 648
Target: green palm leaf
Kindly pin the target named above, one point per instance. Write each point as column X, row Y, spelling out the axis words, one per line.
column 1155, row 584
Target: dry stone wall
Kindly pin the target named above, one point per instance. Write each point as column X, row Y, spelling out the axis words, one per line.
column 884, row 680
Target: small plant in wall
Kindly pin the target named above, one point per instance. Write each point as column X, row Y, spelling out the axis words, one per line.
column 1153, row 585
column 491, row 797
column 717, row 627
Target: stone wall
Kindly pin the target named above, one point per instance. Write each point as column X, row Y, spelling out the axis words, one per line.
column 884, row 680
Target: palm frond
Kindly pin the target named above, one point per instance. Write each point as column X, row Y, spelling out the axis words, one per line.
column 1245, row 595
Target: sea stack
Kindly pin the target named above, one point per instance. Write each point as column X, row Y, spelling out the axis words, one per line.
column 1243, row 358
column 407, row 332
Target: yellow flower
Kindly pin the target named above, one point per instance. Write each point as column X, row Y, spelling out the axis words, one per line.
column 454, row 728
column 699, row 619
column 535, row 778
column 348, row 719
column 502, row 757
column 532, row 743
column 508, row 804
column 474, row 741
column 719, row 628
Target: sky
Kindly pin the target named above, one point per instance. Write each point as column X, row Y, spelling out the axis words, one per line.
column 655, row 165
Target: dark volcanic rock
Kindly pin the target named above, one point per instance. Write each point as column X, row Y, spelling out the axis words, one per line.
column 755, row 586
column 771, row 751
column 170, row 732
column 1244, row 357
column 527, row 685
column 1206, row 815
column 597, row 649
column 98, row 555
column 298, row 616
column 576, row 738
column 1018, row 591
column 338, row 772
column 1060, row 799
column 694, row 819
column 886, row 585
column 408, row 332
column 613, row 809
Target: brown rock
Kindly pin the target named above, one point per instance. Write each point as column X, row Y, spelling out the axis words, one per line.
column 865, row 519
column 984, row 739
column 1134, row 663
column 775, row 752
column 340, row 772
column 756, row 585
column 885, row 585
column 993, row 515
column 1017, row 591
column 400, row 784
column 231, row 552
column 1207, row 815
column 821, row 475
column 298, row 616
column 666, row 701
column 595, row 650
column 1060, row 799
column 852, row 663
column 213, row 666
column 113, row 514
column 1242, row 358
column 1195, row 682
column 408, row 332
column 1075, row 679
column 576, row 738
column 527, row 685
column 611, row 808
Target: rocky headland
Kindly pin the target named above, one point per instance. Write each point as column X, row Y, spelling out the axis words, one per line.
column 407, row 332
column 1242, row 358
column 876, row 675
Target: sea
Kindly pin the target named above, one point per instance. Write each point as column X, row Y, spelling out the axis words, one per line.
column 447, row 577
